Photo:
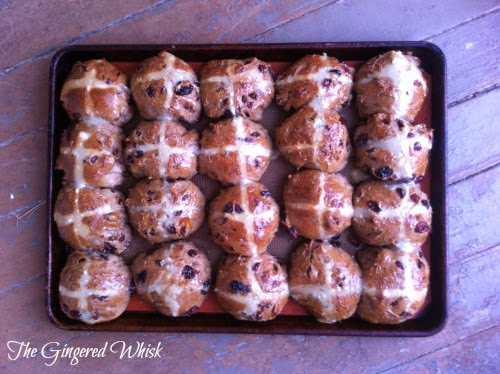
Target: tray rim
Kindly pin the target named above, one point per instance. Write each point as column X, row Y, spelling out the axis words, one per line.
column 135, row 321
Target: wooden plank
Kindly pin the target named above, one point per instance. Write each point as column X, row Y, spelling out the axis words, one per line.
column 475, row 354
column 473, row 136
column 42, row 25
column 472, row 309
column 377, row 20
column 472, row 52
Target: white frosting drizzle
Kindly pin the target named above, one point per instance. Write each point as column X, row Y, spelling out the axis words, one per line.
column 229, row 80
column 256, row 294
column 401, row 146
column 406, row 209
column 168, row 207
column 326, row 293
column 170, row 76
column 83, row 293
column 408, row 291
column 89, row 81
column 165, row 151
column 80, row 229
column 403, row 71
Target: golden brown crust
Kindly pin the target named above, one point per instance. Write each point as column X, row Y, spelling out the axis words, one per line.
column 91, row 155
column 96, row 92
column 162, row 211
column 317, row 142
column 391, row 214
column 390, row 83
column 165, row 86
column 175, row 278
column 233, row 150
column 392, row 149
column 318, row 205
column 395, row 284
column 243, row 219
column 232, row 88
column 252, row 288
column 326, row 280
column 303, row 81
column 94, row 287
column 92, row 218
column 162, row 149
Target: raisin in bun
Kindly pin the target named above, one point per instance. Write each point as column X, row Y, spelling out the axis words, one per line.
column 315, row 140
column 164, row 86
column 94, row 287
column 392, row 149
column 162, row 149
column 175, row 278
column 395, row 284
column 91, row 155
column 231, row 88
column 252, row 288
column 325, row 280
column 234, row 150
column 96, row 92
column 92, row 218
column 318, row 205
column 315, row 76
column 390, row 83
column 391, row 214
column 162, row 211
column 243, row 219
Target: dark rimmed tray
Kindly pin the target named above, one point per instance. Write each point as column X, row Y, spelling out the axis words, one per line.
column 434, row 316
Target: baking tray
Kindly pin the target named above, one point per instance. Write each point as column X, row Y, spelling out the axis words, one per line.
column 141, row 318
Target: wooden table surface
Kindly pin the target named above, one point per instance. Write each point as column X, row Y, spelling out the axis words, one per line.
column 467, row 31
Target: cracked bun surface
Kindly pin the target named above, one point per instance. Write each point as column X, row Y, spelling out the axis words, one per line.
column 320, row 212
column 392, row 149
column 315, row 140
column 92, row 218
column 94, row 287
column 164, row 86
column 391, row 83
column 313, row 76
column 252, row 288
column 91, row 155
column 96, row 92
column 234, row 150
column 175, row 278
column 162, row 149
column 391, row 214
column 395, row 284
column 231, row 88
column 162, row 211
column 325, row 280
column 243, row 219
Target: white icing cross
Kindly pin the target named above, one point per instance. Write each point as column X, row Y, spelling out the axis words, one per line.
column 402, row 212
column 401, row 145
column 403, row 71
column 168, row 207
column 256, row 294
column 165, row 151
column 83, row 293
column 326, row 292
column 170, row 76
column 89, row 81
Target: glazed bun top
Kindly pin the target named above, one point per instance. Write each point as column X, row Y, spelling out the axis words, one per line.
column 165, row 86
column 318, row 80
column 96, row 92
column 391, row 83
